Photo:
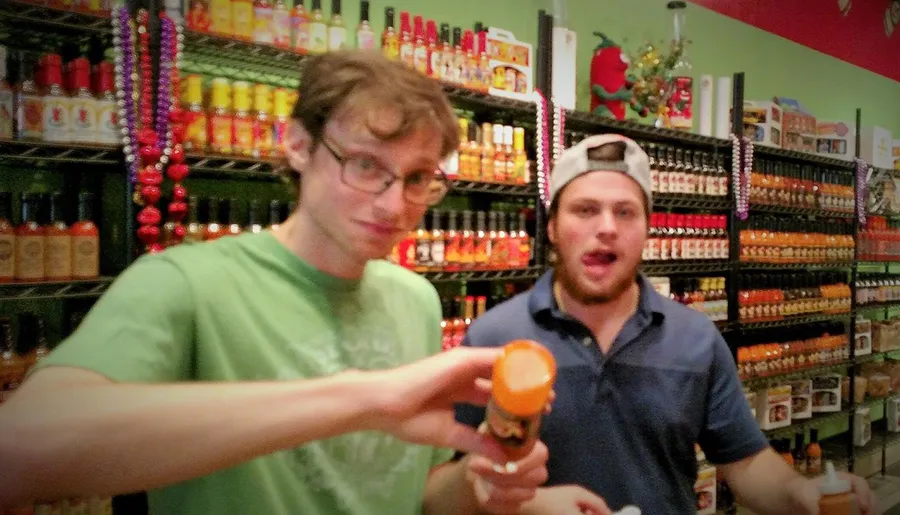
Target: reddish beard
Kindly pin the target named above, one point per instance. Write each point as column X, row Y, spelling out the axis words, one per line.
column 568, row 279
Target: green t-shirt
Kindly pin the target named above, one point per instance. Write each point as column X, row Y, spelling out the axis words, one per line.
column 244, row 309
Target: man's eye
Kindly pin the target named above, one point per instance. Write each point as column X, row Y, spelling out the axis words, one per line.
column 418, row 178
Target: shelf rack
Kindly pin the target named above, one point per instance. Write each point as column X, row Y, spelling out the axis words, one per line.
column 48, row 290
column 77, row 153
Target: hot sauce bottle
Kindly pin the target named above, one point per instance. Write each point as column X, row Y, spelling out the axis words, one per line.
column 407, row 49
column 243, row 123
column 220, row 119
column 494, row 242
column 222, row 19
column 12, row 366
column 452, row 243
column 512, row 240
column 233, row 228
column 467, row 243
column 263, row 22
column 500, row 153
column 488, row 158
column 253, row 218
column 500, row 252
column 281, row 25
column 56, row 110
column 390, row 42
column 521, row 383
column 337, row 32
column 107, row 111
column 472, row 69
column 365, row 36
column 420, row 46
column 198, row 16
column 282, row 112
column 318, row 29
column 445, row 73
column 423, row 248
column 519, row 158
column 524, row 243
column 813, row 454
column 83, row 106
column 214, row 229
column 434, row 49
column 29, row 104
column 57, row 243
column 85, row 240
column 484, row 62
column 300, row 27
column 242, row 19
column 7, row 239
column 29, row 257
column 482, row 242
column 195, row 138
column 274, row 214
column 458, row 67
column 194, row 230
column 262, row 122
column 438, row 246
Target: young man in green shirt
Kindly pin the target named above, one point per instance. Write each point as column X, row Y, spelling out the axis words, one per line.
column 288, row 372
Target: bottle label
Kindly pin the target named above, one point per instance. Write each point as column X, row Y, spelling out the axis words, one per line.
column 7, row 256
column 481, row 250
column 279, row 130
column 107, row 122
column 85, row 257
column 220, row 133
column 263, row 25
column 500, row 255
column 222, row 16
column 58, row 257
column 407, row 56
column 83, row 115
column 301, row 33
column 467, row 251
column 242, row 18
column 29, row 257
column 337, row 38
column 390, row 47
column 508, row 429
column 6, row 114
column 452, row 250
column 243, row 136
column 198, row 17
column 195, row 134
column 423, row 252
column 406, row 252
column 365, row 40
column 420, row 59
column 524, row 252
column 264, row 137
column 56, row 119
column 281, row 28
column 437, row 253
column 318, row 38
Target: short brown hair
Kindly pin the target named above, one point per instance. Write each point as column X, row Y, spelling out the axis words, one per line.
column 369, row 82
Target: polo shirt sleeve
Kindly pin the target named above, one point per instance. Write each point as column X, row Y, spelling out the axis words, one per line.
column 730, row 432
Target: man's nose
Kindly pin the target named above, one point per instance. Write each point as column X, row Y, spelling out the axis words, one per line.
column 391, row 201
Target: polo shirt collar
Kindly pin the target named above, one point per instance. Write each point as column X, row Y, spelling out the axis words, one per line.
column 542, row 301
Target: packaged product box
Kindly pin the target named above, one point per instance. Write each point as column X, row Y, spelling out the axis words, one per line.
column 863, row 336
column 801, row 399
column 512, row 65
column 876, row 147
column 836, row 139
column 763, row 122
column 799, row 128
column 862, row 426
column 893, row 415
column 826, row 393
column 896, row 154
column 774, row 407
column 705, row 491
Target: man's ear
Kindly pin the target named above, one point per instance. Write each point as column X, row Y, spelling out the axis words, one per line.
column 297, row 146
column 551, row 231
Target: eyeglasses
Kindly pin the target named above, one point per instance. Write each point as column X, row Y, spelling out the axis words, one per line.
column 366, row 174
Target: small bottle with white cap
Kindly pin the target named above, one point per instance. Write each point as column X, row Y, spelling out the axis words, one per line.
column 837, row 494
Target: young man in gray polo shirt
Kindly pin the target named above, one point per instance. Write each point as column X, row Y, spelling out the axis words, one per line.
column 641, row 378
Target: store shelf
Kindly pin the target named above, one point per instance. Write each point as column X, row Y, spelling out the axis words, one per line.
column 529, row 190
column 55, row 289
column 803, row 425
column 793, row 321
column 836, row 265
column 475, row 101
column 486, row 275
column 870, row 308
column 26, row 16
column 685, row 267
column 583, row 121
column 801, row 211
column 770, row 152
column 878, row 263
column 757, row 383
column 699, row 202
column 60, row 152
column 877, row 356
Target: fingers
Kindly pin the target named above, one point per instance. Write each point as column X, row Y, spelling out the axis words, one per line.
column 500, row 499
column 868, row 503
column 502, row 476
column 470, row 441
column 591, row 504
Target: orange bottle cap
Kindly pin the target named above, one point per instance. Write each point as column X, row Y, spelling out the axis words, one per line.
column 523, row 378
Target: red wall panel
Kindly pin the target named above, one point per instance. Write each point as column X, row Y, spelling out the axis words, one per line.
column 866, row 34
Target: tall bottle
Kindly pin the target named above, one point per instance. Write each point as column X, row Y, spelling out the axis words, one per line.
column 318, row 29
column 390, row 41
column 220, row 118
column 6, row 100
column 434, row 49
column 420, row 47
column 274, row 214
column 107, row 117
column 438, row 244
column 233, row 228
column 222, row 18
column 525, row 244
column 837, row 495
column 12, row 366
column 262, row 121
column 194, row 230
column 196, row 134
column 452, row 243
column 214, row 229
column 337, row 32
column 457, row 72
column 282, row 113
column 83, row 106
column 447, row 55
column 7, row 239
column 242, row 19
column 300, row 27
column 263, row 22
column 254, row 217
column 57, row 243
column 281, row 24
column 467, row 243
column 29, row 104
column 407, row 45
column 682, row 97
column 57, row 117
column 85, row 240
column 243, row 122
column 29, row 256
column 365, row 36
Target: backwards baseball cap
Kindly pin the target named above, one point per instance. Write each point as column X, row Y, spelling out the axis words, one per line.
column 581, row 159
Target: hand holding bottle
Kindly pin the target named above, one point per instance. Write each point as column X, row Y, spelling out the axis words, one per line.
column 834, row 493
column 566, row 500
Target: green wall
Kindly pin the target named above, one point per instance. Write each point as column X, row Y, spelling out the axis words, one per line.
column 721, row 46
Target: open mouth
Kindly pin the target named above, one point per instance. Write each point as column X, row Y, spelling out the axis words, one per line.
column 599, row 259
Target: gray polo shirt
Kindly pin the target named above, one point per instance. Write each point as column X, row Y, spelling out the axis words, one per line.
column 624, row 424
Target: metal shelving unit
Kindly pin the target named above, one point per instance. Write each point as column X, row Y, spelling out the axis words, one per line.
column 522, row 274
column 78, row 288
column 793, row 321
column 803, row 211
column 686, row 267
column 43, row 152
column 698, row 202
column 835, row 265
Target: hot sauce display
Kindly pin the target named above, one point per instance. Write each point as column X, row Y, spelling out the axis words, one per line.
column 769, row 239
column 765, row 297
column 802, row 186
column 879, row 240
column 877, row 289
column 793, row 350
column 675, row 236
column 680, row 171
column 490, row 152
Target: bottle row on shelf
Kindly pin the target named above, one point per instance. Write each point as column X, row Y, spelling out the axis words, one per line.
column 776, row 183
column 222, row 217
column 705, row 294
column 801, row 349
column 71, row 102
column 499, row 241
column 879, row 240
column 460, row 311
column 674, row 237
column 683, row 171
column 877, row 289
column 767, row 297
column 95, row 7
column 490, row 153
column 769, row 239
column 805, row 458
column 42, row 246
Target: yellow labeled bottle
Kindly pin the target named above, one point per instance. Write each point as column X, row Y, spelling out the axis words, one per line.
column 220, row 118
column 243, row 122
column 195, row 134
